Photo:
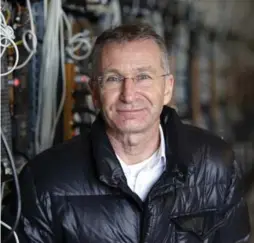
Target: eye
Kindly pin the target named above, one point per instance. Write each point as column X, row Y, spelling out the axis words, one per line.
column 143, row 77
column 113, row 79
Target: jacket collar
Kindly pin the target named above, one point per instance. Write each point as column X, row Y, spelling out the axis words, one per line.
column 177, row 144
column 177, row 154
column 108, row 168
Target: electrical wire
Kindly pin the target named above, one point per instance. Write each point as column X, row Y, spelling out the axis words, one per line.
column 48, row 78
column 6, row 39
column 9, row 228
column 82, row 42
column 78, row 41
column 32, row 35
column 49, row 73
column 112, row 16
column 18, row 43
column 61, row 105
column 2, row 190
column 16, row 182
column 8, row 17
column 47, row 106
column 45, row 9
column 7, row 36
column 116, row 10
column 68, row 24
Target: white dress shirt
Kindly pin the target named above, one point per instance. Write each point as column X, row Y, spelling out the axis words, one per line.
column 142, row 176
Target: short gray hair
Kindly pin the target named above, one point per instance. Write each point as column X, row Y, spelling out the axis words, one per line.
column 123, row 34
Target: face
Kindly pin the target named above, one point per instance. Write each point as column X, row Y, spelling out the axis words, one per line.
column 135, row 105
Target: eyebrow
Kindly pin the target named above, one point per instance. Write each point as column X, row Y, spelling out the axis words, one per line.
column 140, row 69
column 111, row 70
column 147, row 68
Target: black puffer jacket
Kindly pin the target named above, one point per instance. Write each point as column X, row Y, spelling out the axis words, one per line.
column 77, row 193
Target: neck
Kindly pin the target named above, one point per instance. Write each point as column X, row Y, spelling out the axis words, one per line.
column 133, row 148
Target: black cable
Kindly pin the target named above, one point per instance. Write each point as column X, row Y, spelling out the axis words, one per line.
column 16, row 182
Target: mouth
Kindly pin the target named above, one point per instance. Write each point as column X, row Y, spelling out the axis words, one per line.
column 130, row 110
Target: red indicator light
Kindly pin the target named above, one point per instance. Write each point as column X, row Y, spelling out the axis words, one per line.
column 16, row 82
column 84, row 79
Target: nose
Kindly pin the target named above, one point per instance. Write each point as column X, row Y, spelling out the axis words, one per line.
column 128, row 90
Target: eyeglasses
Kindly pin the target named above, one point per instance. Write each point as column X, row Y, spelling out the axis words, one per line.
column 115, row 81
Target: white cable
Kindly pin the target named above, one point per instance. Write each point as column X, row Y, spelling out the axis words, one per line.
column 48, row 115
column 45, row 9
column 6, row 39
column 48, row 78
column 31, row 34
column 16, row 61
column 2, row 190
column 112, row 17
column 116, row 11
column 61, row 105
column 81, row 42
column 6, row 34
column 78, row 41
column 9, row 228
column 2, row 19
column 68, row 24
column 16, row 182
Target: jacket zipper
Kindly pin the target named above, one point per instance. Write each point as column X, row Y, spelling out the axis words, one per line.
column 143, row 223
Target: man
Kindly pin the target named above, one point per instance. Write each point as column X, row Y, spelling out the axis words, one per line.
column 140, row 175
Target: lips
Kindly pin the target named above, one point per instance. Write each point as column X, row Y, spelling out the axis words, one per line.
column 130, row 114
column 130, row 111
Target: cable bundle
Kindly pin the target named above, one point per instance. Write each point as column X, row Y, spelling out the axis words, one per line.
column 31, row 35
column 48, row 115
column 7, row 37
column 17, row 186
column 112, row 17
column 79, row 41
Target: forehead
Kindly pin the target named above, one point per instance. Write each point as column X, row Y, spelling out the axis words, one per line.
column 131, row 55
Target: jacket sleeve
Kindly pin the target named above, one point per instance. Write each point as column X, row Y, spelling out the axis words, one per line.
column 236, row 227
column 35, row 223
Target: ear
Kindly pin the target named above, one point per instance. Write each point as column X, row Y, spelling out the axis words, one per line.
column 95, row 94
column 168, row 91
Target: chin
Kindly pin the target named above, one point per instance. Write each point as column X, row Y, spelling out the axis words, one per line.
column 130, row 127
column 131, row 123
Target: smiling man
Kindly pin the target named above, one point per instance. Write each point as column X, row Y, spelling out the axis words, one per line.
column 140, row 175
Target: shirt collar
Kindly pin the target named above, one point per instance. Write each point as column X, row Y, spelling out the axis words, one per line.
column 157, row 158
column 162, row 148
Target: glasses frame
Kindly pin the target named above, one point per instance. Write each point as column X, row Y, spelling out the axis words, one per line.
column 100, row 78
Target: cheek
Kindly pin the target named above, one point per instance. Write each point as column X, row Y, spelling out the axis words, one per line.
column 155, row 96
column 108, row 100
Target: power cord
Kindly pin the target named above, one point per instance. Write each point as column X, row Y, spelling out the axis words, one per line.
column 9, row 228
column 61, row 105
column 47, row 106
column 6, row 39
column 32, row 35
column 49, row 75
column 16, row 182
column 7, row 36
column 78, row 41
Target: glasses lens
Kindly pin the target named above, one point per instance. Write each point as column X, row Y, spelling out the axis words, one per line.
column 111, row 81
